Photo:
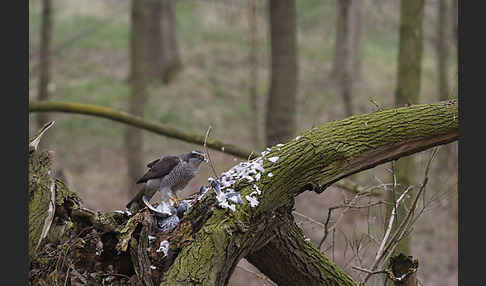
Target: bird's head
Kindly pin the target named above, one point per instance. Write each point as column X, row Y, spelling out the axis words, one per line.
column 195, row 157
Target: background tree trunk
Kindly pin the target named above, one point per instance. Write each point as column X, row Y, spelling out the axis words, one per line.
column 455, row 25
column 281, row 101
column 253, row 80
column 163, row 61
column 348, row 17
column 348, row 11
column 358, row 33
column 45, row 58
column 347, row 56
column 337, row 64
column 443, row 48
column 407, row 92
column 446, row 36
column 133, row 136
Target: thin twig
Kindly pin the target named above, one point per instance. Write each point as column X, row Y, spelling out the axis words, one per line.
column 308, row 218
column 378, row 107
column 390, row 224
column 391, row 244
column 207, row 152
column 368, row 271
column 249, row 156
column 394, row 189
column 347, row 207
column 67, row 275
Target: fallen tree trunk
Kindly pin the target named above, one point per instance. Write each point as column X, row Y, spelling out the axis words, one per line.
column 212, row 238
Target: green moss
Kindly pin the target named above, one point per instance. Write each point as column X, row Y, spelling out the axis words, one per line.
column 39, row 196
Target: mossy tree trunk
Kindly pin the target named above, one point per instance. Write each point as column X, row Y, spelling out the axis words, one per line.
column 208, row 243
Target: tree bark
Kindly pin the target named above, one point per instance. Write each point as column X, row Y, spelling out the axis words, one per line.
column 45, row 57
column 208, row 243
column 407, row 92
column 138, row 52
column 281, row 101
column 403, row 270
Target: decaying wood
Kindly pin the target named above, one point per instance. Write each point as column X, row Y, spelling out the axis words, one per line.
column 402, row 270
column 125, row 249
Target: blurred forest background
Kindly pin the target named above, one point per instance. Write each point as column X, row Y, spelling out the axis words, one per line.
column 215, row 70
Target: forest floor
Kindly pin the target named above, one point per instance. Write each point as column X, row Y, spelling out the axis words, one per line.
column 91, row 65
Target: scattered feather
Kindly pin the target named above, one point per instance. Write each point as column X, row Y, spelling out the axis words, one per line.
column 273, row 159
column 164, row 247
column 253, row 201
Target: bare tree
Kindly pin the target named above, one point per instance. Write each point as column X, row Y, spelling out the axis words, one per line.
column 339, row 40
column 45, row 57
column 443, row 49
column 281, row 101
column 408, row 89
column 253, row 89
column 348, row 13
column 347, row 61
column 139, row 97
column 357, row 59
column 455, row 22
column 163, row 59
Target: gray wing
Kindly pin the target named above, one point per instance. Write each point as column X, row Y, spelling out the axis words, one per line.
column 159, row 168
column 149, row 165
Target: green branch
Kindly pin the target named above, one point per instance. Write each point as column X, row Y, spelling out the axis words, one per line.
column 123, row 117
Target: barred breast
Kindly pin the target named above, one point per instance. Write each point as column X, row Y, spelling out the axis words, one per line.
column 179, row 177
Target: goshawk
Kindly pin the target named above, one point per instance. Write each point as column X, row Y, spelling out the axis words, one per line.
column 169, row 175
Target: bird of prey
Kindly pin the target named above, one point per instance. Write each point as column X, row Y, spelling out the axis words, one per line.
column 168, row 175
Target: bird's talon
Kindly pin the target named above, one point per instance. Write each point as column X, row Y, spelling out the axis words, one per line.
column 175, row 202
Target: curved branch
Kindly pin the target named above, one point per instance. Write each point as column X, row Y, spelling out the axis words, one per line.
column 158, row 128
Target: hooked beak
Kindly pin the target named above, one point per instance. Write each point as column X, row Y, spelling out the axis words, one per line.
column 204, row 158
column 201, row 156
